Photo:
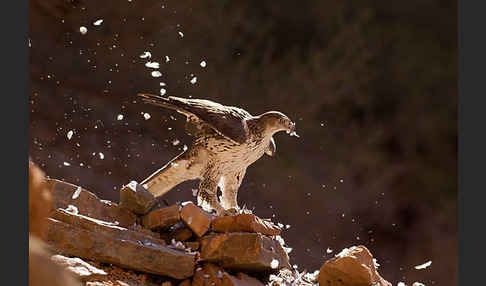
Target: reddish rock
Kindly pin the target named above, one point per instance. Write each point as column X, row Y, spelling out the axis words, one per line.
column 162, row 218
column 250, row 252
column 180, row 232
column 88, row 204
column 136, row 198
column 186, row 282
column 212, row 275
column 193, row 245
column 208, row 275
column 244, row 223
column 351, row 267
column 137, row 255
column 103, row 227
column 241, row 279
column 43, row 271
column 196, row 219
column 39, row 201
column 79, row 268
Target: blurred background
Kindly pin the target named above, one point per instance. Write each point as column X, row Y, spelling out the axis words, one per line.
column 372, row 86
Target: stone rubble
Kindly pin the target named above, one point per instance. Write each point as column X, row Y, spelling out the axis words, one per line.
column 101, row 243
column 352, row 266
column 136, row 198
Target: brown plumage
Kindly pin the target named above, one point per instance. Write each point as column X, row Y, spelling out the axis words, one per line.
column 227, row 140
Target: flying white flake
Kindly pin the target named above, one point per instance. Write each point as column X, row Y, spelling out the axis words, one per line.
column 194, row 80
column 162, row 91
column 102, row 156
column 83, row 30
column 156, row 74
column 70, row 134
column 146, row 55
column 203, row 64
column 154, row 65
column 423, row 266
column 119, row 117
column 98, row 22
column 146, row 116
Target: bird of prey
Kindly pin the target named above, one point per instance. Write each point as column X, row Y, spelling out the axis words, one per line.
column 227, row 140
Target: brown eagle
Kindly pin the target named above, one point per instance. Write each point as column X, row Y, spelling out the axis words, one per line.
column 227, row 140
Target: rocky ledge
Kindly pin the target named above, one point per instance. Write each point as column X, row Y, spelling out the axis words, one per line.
column 98, row 242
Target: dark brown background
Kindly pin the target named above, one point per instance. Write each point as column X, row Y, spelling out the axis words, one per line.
column 372, row 86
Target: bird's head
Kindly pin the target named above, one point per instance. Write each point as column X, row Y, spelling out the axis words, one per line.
column 275, row 121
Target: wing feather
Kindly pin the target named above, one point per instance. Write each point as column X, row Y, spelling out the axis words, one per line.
column 228, row 121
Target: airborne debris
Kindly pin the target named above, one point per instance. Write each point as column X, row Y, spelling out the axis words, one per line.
column 83, row 30
column 66, row 164
column 203, row 64
column 70, row 134
column 194, row 80
column 119, row 117
column 146, row 55
column 146, row 116
column 153, row 65
column 181, row 34
column 156, row 74
column 176, row 142
column 163, row 91
column 167, row 59
column 98, row 22
column 328, row 250
column 423, row 266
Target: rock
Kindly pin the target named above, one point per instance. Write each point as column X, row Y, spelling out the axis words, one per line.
column 167, row 283
column 180, row 232
column 244, row 223
column 241, row 279
column 103, row 227
column 353, row 267
column 136, row 198
column 250, row 252
column 162, row 218
column 186, row 282
column 212, row 275
column 194, row 245
column 39, row 201
column 196, row 219
column 43, row 271
column 100, row 246
column 79, row 268
column 88, row 204
column 208, row 275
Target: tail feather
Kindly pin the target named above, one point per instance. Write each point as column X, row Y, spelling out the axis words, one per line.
column 178, row 170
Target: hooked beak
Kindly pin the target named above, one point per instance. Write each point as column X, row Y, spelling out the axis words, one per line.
column 292, row 131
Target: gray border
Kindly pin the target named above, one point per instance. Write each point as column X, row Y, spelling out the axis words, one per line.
column 15, row 140
column 472, row 64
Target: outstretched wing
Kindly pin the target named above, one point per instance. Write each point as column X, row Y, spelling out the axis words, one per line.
column 228, row 121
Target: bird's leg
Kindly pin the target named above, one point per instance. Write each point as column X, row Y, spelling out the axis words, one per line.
column 207, row 196
column 230, row 186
